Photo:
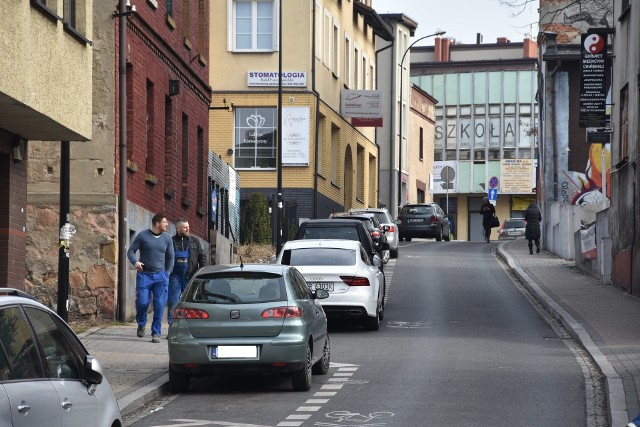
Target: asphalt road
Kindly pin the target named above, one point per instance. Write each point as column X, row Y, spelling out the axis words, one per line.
column 460, row 345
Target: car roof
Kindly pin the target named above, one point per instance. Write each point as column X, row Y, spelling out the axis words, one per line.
column 327, row 243
column 251, row 267
column 368, row 210
column 10, row 296
column 335, row 222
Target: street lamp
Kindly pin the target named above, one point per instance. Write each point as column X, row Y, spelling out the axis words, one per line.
column 439, row 33
column 279, row 160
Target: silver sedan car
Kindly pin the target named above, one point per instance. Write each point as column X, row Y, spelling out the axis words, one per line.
column 248, row 319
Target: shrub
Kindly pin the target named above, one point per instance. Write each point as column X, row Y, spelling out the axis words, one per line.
column 257, row 226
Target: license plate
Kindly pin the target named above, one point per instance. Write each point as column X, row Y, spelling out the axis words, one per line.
column 326, row 286
column 234, row 352
column 416, row 220
column 514, row 232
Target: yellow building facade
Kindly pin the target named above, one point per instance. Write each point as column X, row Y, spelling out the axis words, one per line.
column 328, row 165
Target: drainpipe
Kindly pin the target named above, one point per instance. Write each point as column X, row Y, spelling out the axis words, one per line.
column 317, row 95
column 554, row 132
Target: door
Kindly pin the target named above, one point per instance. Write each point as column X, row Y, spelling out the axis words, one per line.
column 476, row 231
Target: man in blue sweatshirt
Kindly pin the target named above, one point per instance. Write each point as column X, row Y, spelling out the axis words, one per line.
column 153, row 268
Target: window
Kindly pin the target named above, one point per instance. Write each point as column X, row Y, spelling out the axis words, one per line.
column 335, row 66
column 202, row 27
column 17, row 342
column 255, row 142
column 150, row 119
column 318, row 24
column 363, row 79
column 186, row 24
column 169, row 152
column 321, row 124
column 624, row 123
column 327, row 29
column 356, row 67
column 335, row 152
column 360, row 183
column 201, row 156
column 170, row 7
column 421, row 144
column 347, row 61
column 253, row 25
column 185, row 159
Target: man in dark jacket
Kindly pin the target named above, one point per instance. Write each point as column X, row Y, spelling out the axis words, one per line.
column 532, row 231
column 488, row 211
column 189, row 258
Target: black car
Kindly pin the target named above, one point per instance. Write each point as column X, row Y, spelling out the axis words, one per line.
column 423, row 220
column 376, row 229
column 349, row 229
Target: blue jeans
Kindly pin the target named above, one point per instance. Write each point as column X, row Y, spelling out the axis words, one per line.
column 177, row 282
column 148, row 285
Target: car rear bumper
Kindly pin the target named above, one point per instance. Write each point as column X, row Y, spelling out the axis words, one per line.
column 431, row 230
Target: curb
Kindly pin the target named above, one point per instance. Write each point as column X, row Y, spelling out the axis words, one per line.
column 134, row 401
column 616, row 398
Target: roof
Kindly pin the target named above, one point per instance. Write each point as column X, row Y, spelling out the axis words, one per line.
column 371, row 17
column 315, row 243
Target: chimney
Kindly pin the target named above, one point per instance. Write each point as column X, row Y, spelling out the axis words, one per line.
column 478, row 38
column 530, row 48
column 446, row 54
column 437, row 51
column 503, row 40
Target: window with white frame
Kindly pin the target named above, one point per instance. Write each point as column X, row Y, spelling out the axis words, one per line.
column 335, row 65
column 326, row 43
column 319, row 35
column 356, row 67
column 372, row 76
column 255, row 142
column 364, row 70
column 347, row 60
column 253, row 25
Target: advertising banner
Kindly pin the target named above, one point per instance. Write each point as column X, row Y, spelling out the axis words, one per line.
column 445, row 178
column 295, row 136
column 516, row 176
column 361, row 103
column 270, row 78
column 593, row 93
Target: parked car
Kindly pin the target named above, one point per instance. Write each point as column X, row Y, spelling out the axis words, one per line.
column 47, row 376
column 423, row 220
column 349, row 229
column 376, row 230
column 248, row 319
column 512, row 228
column 341, row 267
column 385, row 219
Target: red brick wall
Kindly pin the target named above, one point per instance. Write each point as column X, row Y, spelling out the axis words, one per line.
column 13, row 188
column 157, row 53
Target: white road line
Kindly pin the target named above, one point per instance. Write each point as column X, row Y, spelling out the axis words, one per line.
column 316, row 401
column 308, row 409
column 343, row 374
column 347, row 369
column 325, row 393
column 331, row 387
column 299, row 417
column 289, row 424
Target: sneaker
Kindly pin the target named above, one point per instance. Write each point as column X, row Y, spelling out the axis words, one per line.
column 155, row 338
column 140, row 331
column 537, row 250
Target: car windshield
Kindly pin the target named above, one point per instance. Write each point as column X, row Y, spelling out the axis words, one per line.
column 319, row 256
column 348, row 233
column 416, row 210
column 241, row 288
column 515, row 223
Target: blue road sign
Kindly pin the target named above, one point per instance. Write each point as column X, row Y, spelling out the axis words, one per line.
column 493, row 194
column 493, row 182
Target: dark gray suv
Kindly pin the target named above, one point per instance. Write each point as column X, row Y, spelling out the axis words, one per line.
column 423, row 220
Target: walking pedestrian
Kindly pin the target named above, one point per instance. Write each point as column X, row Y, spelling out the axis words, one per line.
column 532, row 230
column 487, row 210
column 189, row 258
column 155, row 262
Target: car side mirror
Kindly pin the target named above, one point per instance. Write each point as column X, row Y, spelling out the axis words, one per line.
column 320, row 294
column 92, row 370
column 378, row 262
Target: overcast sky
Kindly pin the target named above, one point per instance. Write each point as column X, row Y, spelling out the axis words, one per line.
column 462, row 19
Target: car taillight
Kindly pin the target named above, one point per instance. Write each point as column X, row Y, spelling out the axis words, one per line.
column 355, row 281
column 190, row 313
column 375, row 234
column 392, row 229
column 281, row 312
column 434, row 218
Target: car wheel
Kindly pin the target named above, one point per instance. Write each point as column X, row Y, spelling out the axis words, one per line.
column 178, row 382
column 322, row 366
column 408, row 239
column 439, row 236
column 372, row 323
column 447, row 238
column 301, row 380
column 393, row 254
column 386, row 255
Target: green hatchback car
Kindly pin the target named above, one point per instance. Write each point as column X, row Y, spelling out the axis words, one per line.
column 248, row 319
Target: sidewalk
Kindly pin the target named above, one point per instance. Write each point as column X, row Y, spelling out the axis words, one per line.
column 604, row 319
column 136, row 368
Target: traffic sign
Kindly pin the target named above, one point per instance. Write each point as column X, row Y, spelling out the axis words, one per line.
column 493, row 182
column 493, row 194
